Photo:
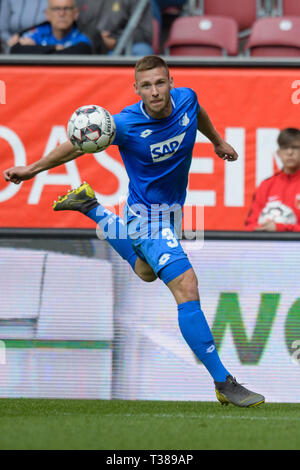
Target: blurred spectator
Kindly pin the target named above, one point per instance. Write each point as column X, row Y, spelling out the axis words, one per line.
column 59, row 35
column 276, row 203
column 161, row 6
column 93, row 17
column 164, row 13
column 93, row 13
column 18, row 15
column 112, row 24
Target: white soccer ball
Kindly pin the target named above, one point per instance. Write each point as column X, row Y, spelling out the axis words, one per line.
column 91, row 128
column 278, row 212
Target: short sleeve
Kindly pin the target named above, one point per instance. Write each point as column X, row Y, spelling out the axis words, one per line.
column 121, row 129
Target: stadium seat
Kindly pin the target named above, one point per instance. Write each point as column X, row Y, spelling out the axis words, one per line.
column 203, row 36
column 287, row 8
column 275, row 37
column 244, row 11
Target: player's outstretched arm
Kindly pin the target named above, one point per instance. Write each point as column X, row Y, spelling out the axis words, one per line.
column 222, row 148
column 61, row 154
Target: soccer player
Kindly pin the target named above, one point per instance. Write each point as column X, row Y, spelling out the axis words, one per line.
column 156, row 137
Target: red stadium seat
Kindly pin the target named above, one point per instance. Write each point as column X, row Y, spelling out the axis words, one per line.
column 203, row 36
column 243, row 11
column 275, row 37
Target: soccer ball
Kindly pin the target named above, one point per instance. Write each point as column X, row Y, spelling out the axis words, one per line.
column 278, row 212
column 91, row 128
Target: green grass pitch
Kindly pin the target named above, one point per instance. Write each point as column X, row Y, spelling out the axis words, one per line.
column 148, row 425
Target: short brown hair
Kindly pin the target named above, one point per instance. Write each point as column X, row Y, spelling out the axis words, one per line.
column 150, row 62
column 286, row 136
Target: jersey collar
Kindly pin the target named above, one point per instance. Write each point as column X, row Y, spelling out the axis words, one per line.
column 142, row 107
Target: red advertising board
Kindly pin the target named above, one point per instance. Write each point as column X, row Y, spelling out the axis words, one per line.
column 247, row 106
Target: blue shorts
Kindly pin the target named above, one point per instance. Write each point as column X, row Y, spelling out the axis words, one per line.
column 157, row 244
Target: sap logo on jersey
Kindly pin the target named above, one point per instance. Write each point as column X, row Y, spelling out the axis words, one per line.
column 163, row 150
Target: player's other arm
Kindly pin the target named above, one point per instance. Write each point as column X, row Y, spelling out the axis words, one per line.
column 222, row 148
column 60, row 155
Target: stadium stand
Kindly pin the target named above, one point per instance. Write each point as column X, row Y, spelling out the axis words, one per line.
column 17, row 16
column 275, row 37
column 164, row 13
column 132, row 28
column 156, row 36
column 203, row 36
column 244, row 12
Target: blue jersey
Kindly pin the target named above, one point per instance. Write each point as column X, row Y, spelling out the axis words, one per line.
column 43, row 36
column 157, row 153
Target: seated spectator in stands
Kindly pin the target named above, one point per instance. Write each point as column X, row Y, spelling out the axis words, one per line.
column 93, row 17
column 119, row 14
column 59, row 35
column 276, row 203
column 160, row 6
column 18, row 15
column 164, row 13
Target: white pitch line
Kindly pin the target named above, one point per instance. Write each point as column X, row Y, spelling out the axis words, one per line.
column 211, row 416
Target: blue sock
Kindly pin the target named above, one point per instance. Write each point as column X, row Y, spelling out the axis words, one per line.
column 114, row 231
column 196, row 332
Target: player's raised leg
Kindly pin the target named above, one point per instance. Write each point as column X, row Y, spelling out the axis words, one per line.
column 83, row 199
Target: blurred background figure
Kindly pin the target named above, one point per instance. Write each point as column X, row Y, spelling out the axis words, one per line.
column 106, row 20
column 93, row 17
column 121, row 12
column 17, row 16
column 276, row 202
column 59, row 34
column 161, row 7
column 164, row 13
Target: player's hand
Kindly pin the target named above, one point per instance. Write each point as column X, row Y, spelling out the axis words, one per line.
column 225, row 151
column 268, row 226
column 16, row 174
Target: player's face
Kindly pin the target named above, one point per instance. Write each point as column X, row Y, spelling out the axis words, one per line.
column 290, row 156
column 154, row 86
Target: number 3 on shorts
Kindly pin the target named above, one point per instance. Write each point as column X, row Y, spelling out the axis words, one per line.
column 168, row 234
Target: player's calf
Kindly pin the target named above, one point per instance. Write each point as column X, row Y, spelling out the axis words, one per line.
column 185, row 287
